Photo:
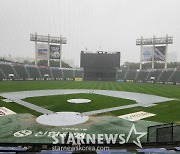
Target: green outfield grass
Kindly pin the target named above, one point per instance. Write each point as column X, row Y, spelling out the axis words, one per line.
column 59, row 103
column 17, row 108
column 166, row 111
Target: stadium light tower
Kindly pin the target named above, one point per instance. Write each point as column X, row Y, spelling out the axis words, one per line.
column 154, row 49
column 48, row 47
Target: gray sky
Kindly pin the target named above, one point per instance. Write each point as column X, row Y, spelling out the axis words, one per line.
column 112, row 24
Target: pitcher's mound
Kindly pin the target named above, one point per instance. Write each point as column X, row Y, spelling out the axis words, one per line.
column 62, row 119
column 77, row 101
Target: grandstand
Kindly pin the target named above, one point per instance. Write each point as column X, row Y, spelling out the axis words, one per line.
column 175, row 77
column 26, row 72
column 44, row 71
column 1, row 75
column 131, row 75
column 79, row 73
column 68, row 73
column 7, row 69
column 34, row 72
column 120, row 75
column 21, row 71
column 165, row 76
column 155, row 74
column 57, row 73
column 142, row 76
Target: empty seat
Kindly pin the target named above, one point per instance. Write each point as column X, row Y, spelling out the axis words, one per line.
column 45, row 70
column 68, row 73
column 118, row 151
column 153, row 150
column 7, row 69
column 154, row 74
column 79, row 73
column 142, row 76
column 13, row 149
column 55, row 152
column 120, row 75
column 131, row 75
column 1, row 75
column 56, row 73
column 165, row 76
column 175, row 77
column 21, row 71
column 177, row 148
column 33, row 72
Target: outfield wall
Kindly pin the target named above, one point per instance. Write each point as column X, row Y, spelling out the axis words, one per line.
column 31, row 72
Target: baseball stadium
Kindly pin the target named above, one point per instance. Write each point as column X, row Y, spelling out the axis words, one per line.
column 102, row 106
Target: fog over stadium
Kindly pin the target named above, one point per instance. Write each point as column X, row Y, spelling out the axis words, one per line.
column 108, row 25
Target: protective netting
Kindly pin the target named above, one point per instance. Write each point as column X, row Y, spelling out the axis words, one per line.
column 163, row 133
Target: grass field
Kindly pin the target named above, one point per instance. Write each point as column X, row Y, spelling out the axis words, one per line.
column 166, row 111
column 59, row 102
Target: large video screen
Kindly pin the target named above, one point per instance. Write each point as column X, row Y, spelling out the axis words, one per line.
column 100, row 60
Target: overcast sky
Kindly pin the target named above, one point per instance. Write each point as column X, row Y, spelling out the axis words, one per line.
column 109, row 25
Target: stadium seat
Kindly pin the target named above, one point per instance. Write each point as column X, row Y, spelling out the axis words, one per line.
column 12, row 149
column 45, row 70
column 175, row 77
column 55, row 152
column 68, row 73
column 33, row 72
column 7, row 69
column 120, row 75
column 142, row 76
column 112, row 151
column 79, row 73
column 165, row 76
column 155, row 74
column 131, row 75
column 21, row 71
column 153, row 150
column 1, row 75
column 177, row 148
column 56, row 73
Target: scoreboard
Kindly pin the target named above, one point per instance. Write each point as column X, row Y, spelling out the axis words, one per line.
column 100, row 65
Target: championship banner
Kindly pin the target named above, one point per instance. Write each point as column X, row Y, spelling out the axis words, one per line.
column 55, row 51
column 136, row 116
column 42, row 50
column 5, row 111
column 159, row 53
column 147, row 54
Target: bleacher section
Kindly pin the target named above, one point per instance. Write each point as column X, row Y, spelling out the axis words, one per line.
column 1, row 75
column 142, row 76
column 27, row 72
column 57, row 73
column 68, row 73
column 7, row 69
column 79, row 73
column 120, row 75
column 155, row 74
column 45, row 70
column 33, row 72
column 21, row 71
column 131, row 75
column 165, row 76
column 175, row 77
